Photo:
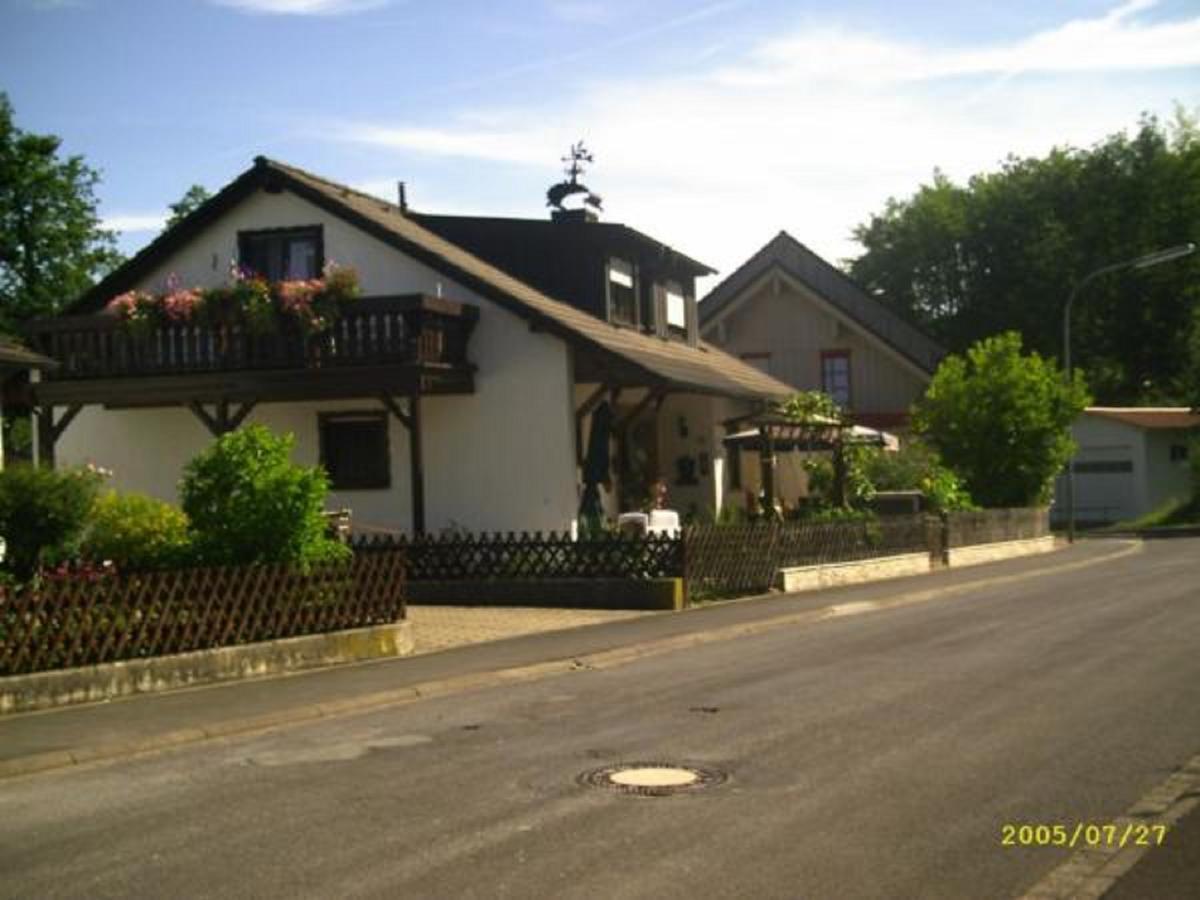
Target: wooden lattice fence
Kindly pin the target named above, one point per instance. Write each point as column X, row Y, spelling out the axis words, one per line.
column 532, row 556
column 742, row 559
column 80, row 619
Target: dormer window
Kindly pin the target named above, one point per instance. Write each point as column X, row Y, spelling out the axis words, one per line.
column 622, row 293
column 676, row 305
column 282, row 254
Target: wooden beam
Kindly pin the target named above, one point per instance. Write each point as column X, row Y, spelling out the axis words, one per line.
column 394, row 408
column 61, row 425
column 213, row 426
column 49, row 431
column 240, row 416
column 655, row 395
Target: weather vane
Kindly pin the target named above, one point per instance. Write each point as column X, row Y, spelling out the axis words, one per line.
column 575, row 159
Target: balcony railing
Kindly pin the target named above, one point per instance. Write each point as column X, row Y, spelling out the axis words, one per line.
column 404, row 330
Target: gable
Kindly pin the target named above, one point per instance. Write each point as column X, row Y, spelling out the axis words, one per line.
column 787, row 328
column 644, row 359
column 205, row 259
column 786, row 255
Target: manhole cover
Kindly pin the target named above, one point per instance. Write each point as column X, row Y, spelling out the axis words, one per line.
column 652, row 779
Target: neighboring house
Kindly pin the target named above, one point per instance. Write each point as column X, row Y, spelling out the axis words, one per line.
column 801, row 320
column 13, row 359
column 1131, row 461
column 458, row 391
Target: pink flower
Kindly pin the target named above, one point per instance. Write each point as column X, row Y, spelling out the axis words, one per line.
column 296, row 296
column 179, row 305
column 128, row 304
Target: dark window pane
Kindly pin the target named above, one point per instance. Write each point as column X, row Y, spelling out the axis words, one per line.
column 622, row 292
column 835, row 377
column 1104, row 467
column 279, row 254
column 354, row 450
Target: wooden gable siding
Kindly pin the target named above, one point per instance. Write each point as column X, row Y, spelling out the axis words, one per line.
column 780, row 319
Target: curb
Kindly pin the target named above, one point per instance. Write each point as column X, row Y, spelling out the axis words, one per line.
column 606, row 659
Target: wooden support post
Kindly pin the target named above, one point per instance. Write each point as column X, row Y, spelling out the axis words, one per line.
column 50, row 431
column 768, row 471
column 417, row 462
column 411, row 420
column 45, row 435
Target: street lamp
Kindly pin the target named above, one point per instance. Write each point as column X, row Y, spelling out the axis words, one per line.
column 1142, row 262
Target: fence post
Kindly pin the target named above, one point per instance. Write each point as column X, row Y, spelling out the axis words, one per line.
column 683, row 566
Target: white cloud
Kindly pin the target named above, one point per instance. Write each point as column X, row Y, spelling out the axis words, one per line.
column 814, row 130
column 302, row 7
column 135, row 222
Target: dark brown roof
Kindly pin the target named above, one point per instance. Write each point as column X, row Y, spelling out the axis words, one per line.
column 14, row 356
column 664, row 363
column 1149, row 416
column 542, row 231
column 833, row 285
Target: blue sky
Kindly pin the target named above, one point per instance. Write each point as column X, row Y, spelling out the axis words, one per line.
column 714, row 124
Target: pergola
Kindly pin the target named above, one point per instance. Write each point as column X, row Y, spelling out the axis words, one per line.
column 770, row 432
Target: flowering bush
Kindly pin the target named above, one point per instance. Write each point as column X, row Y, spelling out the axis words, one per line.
column 138, row 309
column 133, row 530
column 313, row 304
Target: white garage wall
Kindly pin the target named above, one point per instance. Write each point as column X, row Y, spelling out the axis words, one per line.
column 1167, row 481
column 502, row 458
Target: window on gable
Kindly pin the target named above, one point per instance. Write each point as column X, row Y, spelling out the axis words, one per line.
column 354, row 450
column 676, row 305
column 622, row 292
column 835, row 376
column 282, row 254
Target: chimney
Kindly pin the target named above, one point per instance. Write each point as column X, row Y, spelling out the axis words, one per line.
column 580, row 215
column 401, row 197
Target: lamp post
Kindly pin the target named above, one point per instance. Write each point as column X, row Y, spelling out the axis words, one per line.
column 1140, row 262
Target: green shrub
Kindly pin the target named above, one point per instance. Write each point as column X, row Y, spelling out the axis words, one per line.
column 136, row 531
column 916, row 467
column 249, row 503
column 43, row 513
column 1001, row 420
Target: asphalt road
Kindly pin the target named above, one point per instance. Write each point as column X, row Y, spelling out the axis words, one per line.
column 873, row 755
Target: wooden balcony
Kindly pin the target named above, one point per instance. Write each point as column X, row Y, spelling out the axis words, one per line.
column 384, row 344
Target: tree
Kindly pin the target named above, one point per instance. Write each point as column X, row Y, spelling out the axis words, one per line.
column 1003, row 252
column 1001, row 420
column 52, row 247
column 192, row 199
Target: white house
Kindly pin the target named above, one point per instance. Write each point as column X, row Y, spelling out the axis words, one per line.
column 458, row 391
column 1131, row 461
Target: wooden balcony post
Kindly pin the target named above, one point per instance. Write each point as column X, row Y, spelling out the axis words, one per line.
column 416, row 461
column 50, row 431
column 411, row 420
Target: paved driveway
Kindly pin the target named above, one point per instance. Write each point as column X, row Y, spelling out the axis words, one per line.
column 441, row 627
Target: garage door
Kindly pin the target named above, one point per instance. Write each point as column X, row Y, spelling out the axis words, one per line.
column 1104, row 484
